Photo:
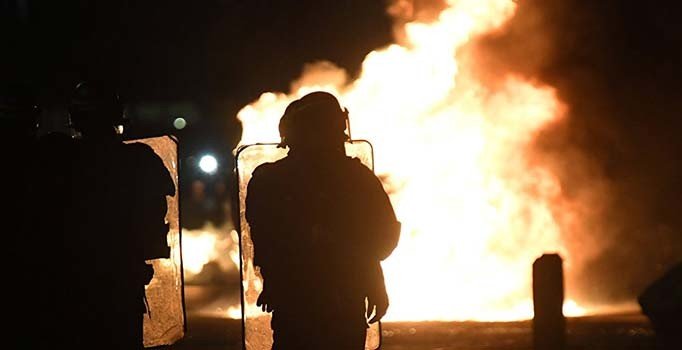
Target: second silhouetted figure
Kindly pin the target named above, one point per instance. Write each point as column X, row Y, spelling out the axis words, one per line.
column 116, row 222
column 321, row 223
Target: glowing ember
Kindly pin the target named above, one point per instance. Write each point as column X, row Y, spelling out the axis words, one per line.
column 475, row 208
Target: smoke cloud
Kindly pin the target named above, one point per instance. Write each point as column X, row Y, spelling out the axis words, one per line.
column 616, row 67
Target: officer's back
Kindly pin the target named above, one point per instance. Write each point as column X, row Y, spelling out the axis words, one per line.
column 320, row 210
column 320, row 223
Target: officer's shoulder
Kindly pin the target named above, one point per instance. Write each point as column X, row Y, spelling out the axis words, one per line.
column 362, row 175
column 269, row 169
column 148, row 163
column 139, row 148
column 356, row 165
column 143, row 154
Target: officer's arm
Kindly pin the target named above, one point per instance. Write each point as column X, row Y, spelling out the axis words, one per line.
column 259, row 216
column 385, row 226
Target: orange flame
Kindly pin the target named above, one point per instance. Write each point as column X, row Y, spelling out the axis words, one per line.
column 453, row 154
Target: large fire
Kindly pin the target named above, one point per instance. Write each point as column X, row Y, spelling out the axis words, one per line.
column 453, row 153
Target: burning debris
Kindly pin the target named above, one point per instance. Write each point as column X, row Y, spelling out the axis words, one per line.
column 476, row 207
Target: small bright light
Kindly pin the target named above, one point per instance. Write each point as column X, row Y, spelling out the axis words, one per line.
column 208, row 164
column 179, row 123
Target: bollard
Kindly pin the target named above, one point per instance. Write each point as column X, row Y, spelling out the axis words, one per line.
column 549, row 324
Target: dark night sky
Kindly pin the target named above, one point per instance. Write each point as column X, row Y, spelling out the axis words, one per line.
column 615, row 63
column 220, row 54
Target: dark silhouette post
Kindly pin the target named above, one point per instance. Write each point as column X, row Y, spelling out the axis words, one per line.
column 549, row 325
column 321, row 223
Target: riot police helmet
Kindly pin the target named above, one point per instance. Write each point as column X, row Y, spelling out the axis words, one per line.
column 95, row 107
column 315, row 119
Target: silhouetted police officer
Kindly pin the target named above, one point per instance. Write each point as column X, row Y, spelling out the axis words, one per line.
column 117, row 222
column 320, row 222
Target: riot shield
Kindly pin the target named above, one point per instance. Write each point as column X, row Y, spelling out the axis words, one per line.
column 256, row 329
column 164, row 323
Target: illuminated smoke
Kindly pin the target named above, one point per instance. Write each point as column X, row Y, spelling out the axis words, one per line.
column 477, row 208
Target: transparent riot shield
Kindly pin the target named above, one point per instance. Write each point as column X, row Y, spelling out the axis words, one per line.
column 256, row 330
column 164, row 324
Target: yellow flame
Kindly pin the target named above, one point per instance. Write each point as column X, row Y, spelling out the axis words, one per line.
column 474, row 206
column 572, row 309
column 196, row 245
column 208, row 244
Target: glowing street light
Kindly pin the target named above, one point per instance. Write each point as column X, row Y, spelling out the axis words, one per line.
column 208, row 164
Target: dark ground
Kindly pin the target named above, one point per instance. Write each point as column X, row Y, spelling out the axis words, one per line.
column 607, row 332
column 590, row 333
